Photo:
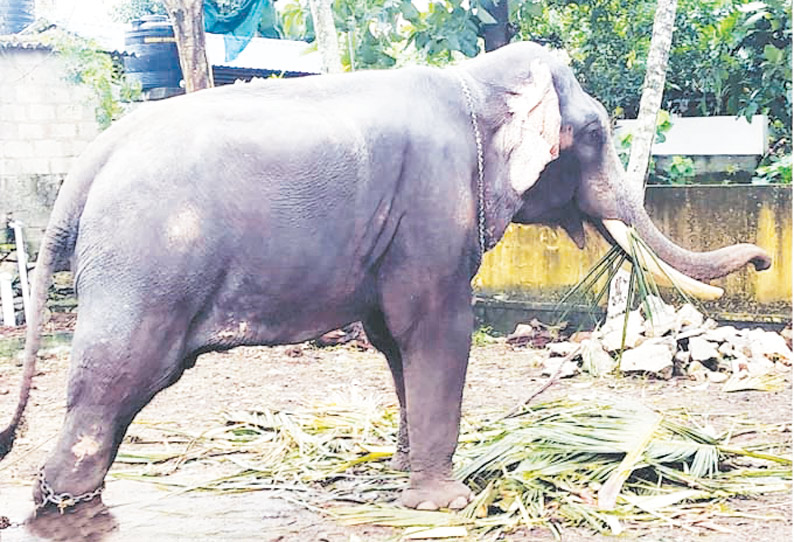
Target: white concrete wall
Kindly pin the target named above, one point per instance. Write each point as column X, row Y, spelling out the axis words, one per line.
column 45, row 123
column 709, row 136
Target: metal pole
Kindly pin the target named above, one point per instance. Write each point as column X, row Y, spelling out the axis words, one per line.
column 22, row 260
column 7, row 300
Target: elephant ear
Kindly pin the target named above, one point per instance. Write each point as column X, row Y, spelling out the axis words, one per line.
column 530, row 138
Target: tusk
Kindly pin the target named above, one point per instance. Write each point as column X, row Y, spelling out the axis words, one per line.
column 660, row 270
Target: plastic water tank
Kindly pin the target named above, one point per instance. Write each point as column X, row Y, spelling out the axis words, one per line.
column 15, row 15
column 156, row 61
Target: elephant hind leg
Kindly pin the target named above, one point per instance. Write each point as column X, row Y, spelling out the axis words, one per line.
column 381, row 338
column 117, row 368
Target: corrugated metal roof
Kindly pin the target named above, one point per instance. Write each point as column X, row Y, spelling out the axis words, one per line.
column 37, row 36
column 224, row 75
column 31, row 38
column 16, row 44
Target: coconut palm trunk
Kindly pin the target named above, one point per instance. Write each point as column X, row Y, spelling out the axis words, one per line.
column 653, row 88
column 325, row 29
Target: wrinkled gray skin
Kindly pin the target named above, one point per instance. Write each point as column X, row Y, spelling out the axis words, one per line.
column 272, row 212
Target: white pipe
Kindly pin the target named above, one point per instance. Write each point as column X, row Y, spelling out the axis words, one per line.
column 7, row 300
column 22, row 261
column 660, row 270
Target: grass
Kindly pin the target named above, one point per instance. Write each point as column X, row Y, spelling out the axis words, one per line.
column 606, row 465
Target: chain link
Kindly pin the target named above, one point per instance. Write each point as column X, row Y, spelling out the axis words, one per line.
column 480, row 161
column 63, row 500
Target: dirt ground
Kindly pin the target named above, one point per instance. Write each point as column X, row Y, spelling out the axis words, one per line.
column 500, row 376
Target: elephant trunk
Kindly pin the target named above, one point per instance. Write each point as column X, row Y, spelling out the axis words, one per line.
column 684, row 267
column 699, row 265
column 674, row 263
column 663, row 272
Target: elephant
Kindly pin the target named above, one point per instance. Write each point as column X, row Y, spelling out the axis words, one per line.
column 272, row 212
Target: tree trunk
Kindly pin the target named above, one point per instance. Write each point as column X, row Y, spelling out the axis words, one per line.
column 187, row 17
column 498, row 34
column 325, row 30
column 651, row 100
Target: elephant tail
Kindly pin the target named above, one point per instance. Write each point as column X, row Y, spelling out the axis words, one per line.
column 57, row 246
column 42, row 276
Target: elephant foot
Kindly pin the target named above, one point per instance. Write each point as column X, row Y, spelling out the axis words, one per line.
column 432, row 494
column 400, row 461
column 90, row 520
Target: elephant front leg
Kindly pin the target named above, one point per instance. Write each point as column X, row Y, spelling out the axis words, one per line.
column 435, row 357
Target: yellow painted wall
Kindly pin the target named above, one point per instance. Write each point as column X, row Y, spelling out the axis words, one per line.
column 538, row 264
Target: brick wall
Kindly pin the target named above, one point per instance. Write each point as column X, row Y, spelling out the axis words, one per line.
column 45, row 123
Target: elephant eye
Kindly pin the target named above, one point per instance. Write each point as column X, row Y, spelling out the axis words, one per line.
column 594, row 136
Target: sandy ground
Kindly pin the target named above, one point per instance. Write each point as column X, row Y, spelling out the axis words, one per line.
column 500, row 376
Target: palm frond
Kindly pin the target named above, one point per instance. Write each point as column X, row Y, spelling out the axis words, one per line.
column 550, row 465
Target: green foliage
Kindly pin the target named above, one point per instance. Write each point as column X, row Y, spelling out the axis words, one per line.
column 777, row 171
column 131, row 10
column 548, row 465
column 296, row 21
column 728, row 56
column 447, row 27
column 737, row 62
column 680, row 171
column 387, row 33
column 607, row 41
column 483, row 336
column 370, row 31
column 87, row 65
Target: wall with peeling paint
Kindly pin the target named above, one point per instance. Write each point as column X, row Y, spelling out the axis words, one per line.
column 533, row 266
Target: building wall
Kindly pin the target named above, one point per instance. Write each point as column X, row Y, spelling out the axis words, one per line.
column 45, row 123
column 532, row 267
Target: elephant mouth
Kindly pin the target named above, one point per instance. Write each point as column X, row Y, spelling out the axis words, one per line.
column 662, row 272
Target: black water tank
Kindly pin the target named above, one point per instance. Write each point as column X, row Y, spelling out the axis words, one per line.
column 15, row 15
column 156, row 61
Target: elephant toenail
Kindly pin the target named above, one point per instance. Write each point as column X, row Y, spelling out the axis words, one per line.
column 427, row 505
column 459, row 502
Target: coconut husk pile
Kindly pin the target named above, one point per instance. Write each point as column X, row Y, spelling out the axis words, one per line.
column 658, row 340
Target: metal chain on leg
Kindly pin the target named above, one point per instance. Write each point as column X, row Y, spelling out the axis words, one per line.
column 480, row 163
column 62, row 501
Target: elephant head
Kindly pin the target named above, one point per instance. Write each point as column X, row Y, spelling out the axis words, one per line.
column 552, row 143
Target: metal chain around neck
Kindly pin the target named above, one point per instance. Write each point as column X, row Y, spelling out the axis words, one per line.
column 480, row 164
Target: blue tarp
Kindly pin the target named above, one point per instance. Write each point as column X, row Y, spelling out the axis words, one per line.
column 238, row 26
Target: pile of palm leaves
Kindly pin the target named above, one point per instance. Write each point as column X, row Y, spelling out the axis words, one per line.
column 603, row 464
